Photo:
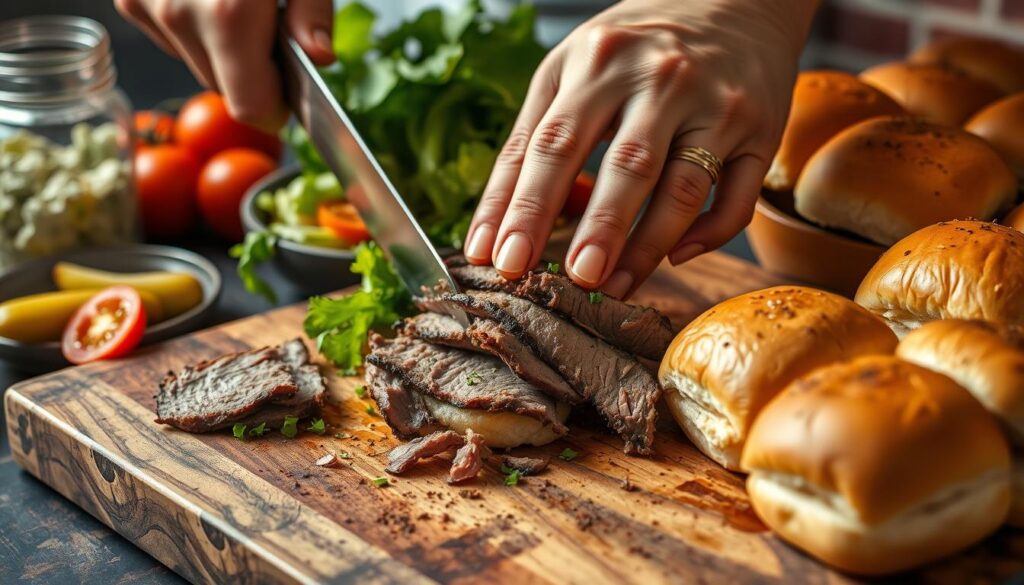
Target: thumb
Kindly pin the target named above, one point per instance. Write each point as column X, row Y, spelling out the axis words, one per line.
column 310, row 22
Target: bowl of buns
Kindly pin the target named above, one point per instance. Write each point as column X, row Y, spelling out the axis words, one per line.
column 868, row 159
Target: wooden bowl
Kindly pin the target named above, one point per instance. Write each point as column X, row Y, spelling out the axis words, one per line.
column 790, row 246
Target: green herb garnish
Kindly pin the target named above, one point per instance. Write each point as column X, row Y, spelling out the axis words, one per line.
column 380, row 481
column 370, row 410
column 511, row 475
column 258, row 247
column 596, row 298
column 360, row 391
column 554, row 267
column 567, row 454
column 258, row 430
column 344, row 455
column 473, row 378
column 290, row 427
column 238, row 431
column 317, row 426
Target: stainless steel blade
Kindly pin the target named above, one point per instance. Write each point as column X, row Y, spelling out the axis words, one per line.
column 337, row 140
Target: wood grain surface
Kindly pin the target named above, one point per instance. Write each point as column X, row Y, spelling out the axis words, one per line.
column 217, row 509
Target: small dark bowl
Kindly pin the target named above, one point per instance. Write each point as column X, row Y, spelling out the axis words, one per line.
column 37, row 277
column 313, row 269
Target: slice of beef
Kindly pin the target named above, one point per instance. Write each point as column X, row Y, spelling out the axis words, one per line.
column 404, row 410
column 526, row 465
column 484, row 336
column 469, row 459
column 304, row 403
column 621, row 389
column 404, row 456
column 461, row 378
column 215, row 394
column 635, row 329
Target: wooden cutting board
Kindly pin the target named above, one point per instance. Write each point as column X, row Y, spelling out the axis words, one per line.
column 216, row 509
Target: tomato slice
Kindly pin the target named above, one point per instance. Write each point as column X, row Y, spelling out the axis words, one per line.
column 579, row 195
column 108, row 325
column 342, row 218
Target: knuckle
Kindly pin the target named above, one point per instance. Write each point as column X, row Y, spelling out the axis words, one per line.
column 687, row 193
column 634, row 159
column 602, row 42
column 171, row 14
column 228, row 12
column 735, row 105
column 514, row 151
column 556, row 139
column 608, row 220
column 527, row 208
column 672, row 70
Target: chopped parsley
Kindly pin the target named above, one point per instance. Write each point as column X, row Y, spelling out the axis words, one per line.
column 360, row 391
column 567, row 454
column 554, row 267
column 258, row 430
column 473, row 378
column 511, row 475
column 370, row 410
column 238, row 431
column 290, row 427
column 380, row 481
column 317, row 426
column 341, row 435
column 344, row 455
column 596, row 298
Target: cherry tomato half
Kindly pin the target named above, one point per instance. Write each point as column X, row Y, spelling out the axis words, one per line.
column 342, row 218
column 222, row 186
column 108, row 325
column 579, row 195
column 205, row 127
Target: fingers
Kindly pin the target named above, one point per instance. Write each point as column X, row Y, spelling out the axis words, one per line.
column 483, row 230
column 310, row 22
column 730, row 213
column 678, row 199
column 240, row 38
column 629, row 170
column 135, row 12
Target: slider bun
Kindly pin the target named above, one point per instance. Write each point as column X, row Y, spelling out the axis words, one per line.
column 729, row 362
column 499, row 429
column 1016, row 517
column 1015, row 218
column 1002, row 125
column 963, row 269
column 877, row 465
column 938, row 94
column 886, row 177
column 824, row 102
column 992, row 61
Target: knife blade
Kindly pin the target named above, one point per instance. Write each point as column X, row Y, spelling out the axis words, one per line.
column 344, row 151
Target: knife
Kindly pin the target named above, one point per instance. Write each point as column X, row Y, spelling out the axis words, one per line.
column 380, row 206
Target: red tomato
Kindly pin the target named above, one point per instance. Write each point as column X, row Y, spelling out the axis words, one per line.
column 165, row 182
column 153, row 127
column 579, row 195
column 205, row 127
column 108, row 325
column 342, row 218
column 222, row 185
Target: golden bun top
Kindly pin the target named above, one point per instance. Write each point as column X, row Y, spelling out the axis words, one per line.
column 962, row 269
column 884, row 178
column 938, row 94
column 1015, row 218
column 824, row 102
column 882, row 433
column 983, row 357
column 1001, row 124
column 743, row 351
column 995, row 62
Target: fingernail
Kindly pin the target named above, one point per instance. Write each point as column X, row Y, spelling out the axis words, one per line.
column 686, row 253
column 481, row 243
column 619, row 283
column 322, row 39
column 514, row 254
column 589, row 263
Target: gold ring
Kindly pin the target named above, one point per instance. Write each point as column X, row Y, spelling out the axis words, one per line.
column 701, row 157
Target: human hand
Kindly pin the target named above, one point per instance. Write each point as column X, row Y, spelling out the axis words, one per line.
column 229, row 44
column 657, row 76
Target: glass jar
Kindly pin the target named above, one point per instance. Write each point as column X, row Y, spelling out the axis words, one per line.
column 65, row 140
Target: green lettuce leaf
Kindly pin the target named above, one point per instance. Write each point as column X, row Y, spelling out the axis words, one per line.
column 258, row 247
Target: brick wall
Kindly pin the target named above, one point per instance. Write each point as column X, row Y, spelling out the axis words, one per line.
column 854, row 34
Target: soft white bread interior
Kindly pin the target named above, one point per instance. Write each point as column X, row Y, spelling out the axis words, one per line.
column 877, row 465
column 724, row 366
column 964, row 269
column 499, row 429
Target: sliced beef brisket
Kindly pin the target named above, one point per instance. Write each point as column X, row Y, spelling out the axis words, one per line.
column 469, row 459
column 637, row 330
column 437, row 328
column 305, row 402
column 461, row 378
column 526, row 465
column 403, row 410
column 618, row 386
column 404, row 456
